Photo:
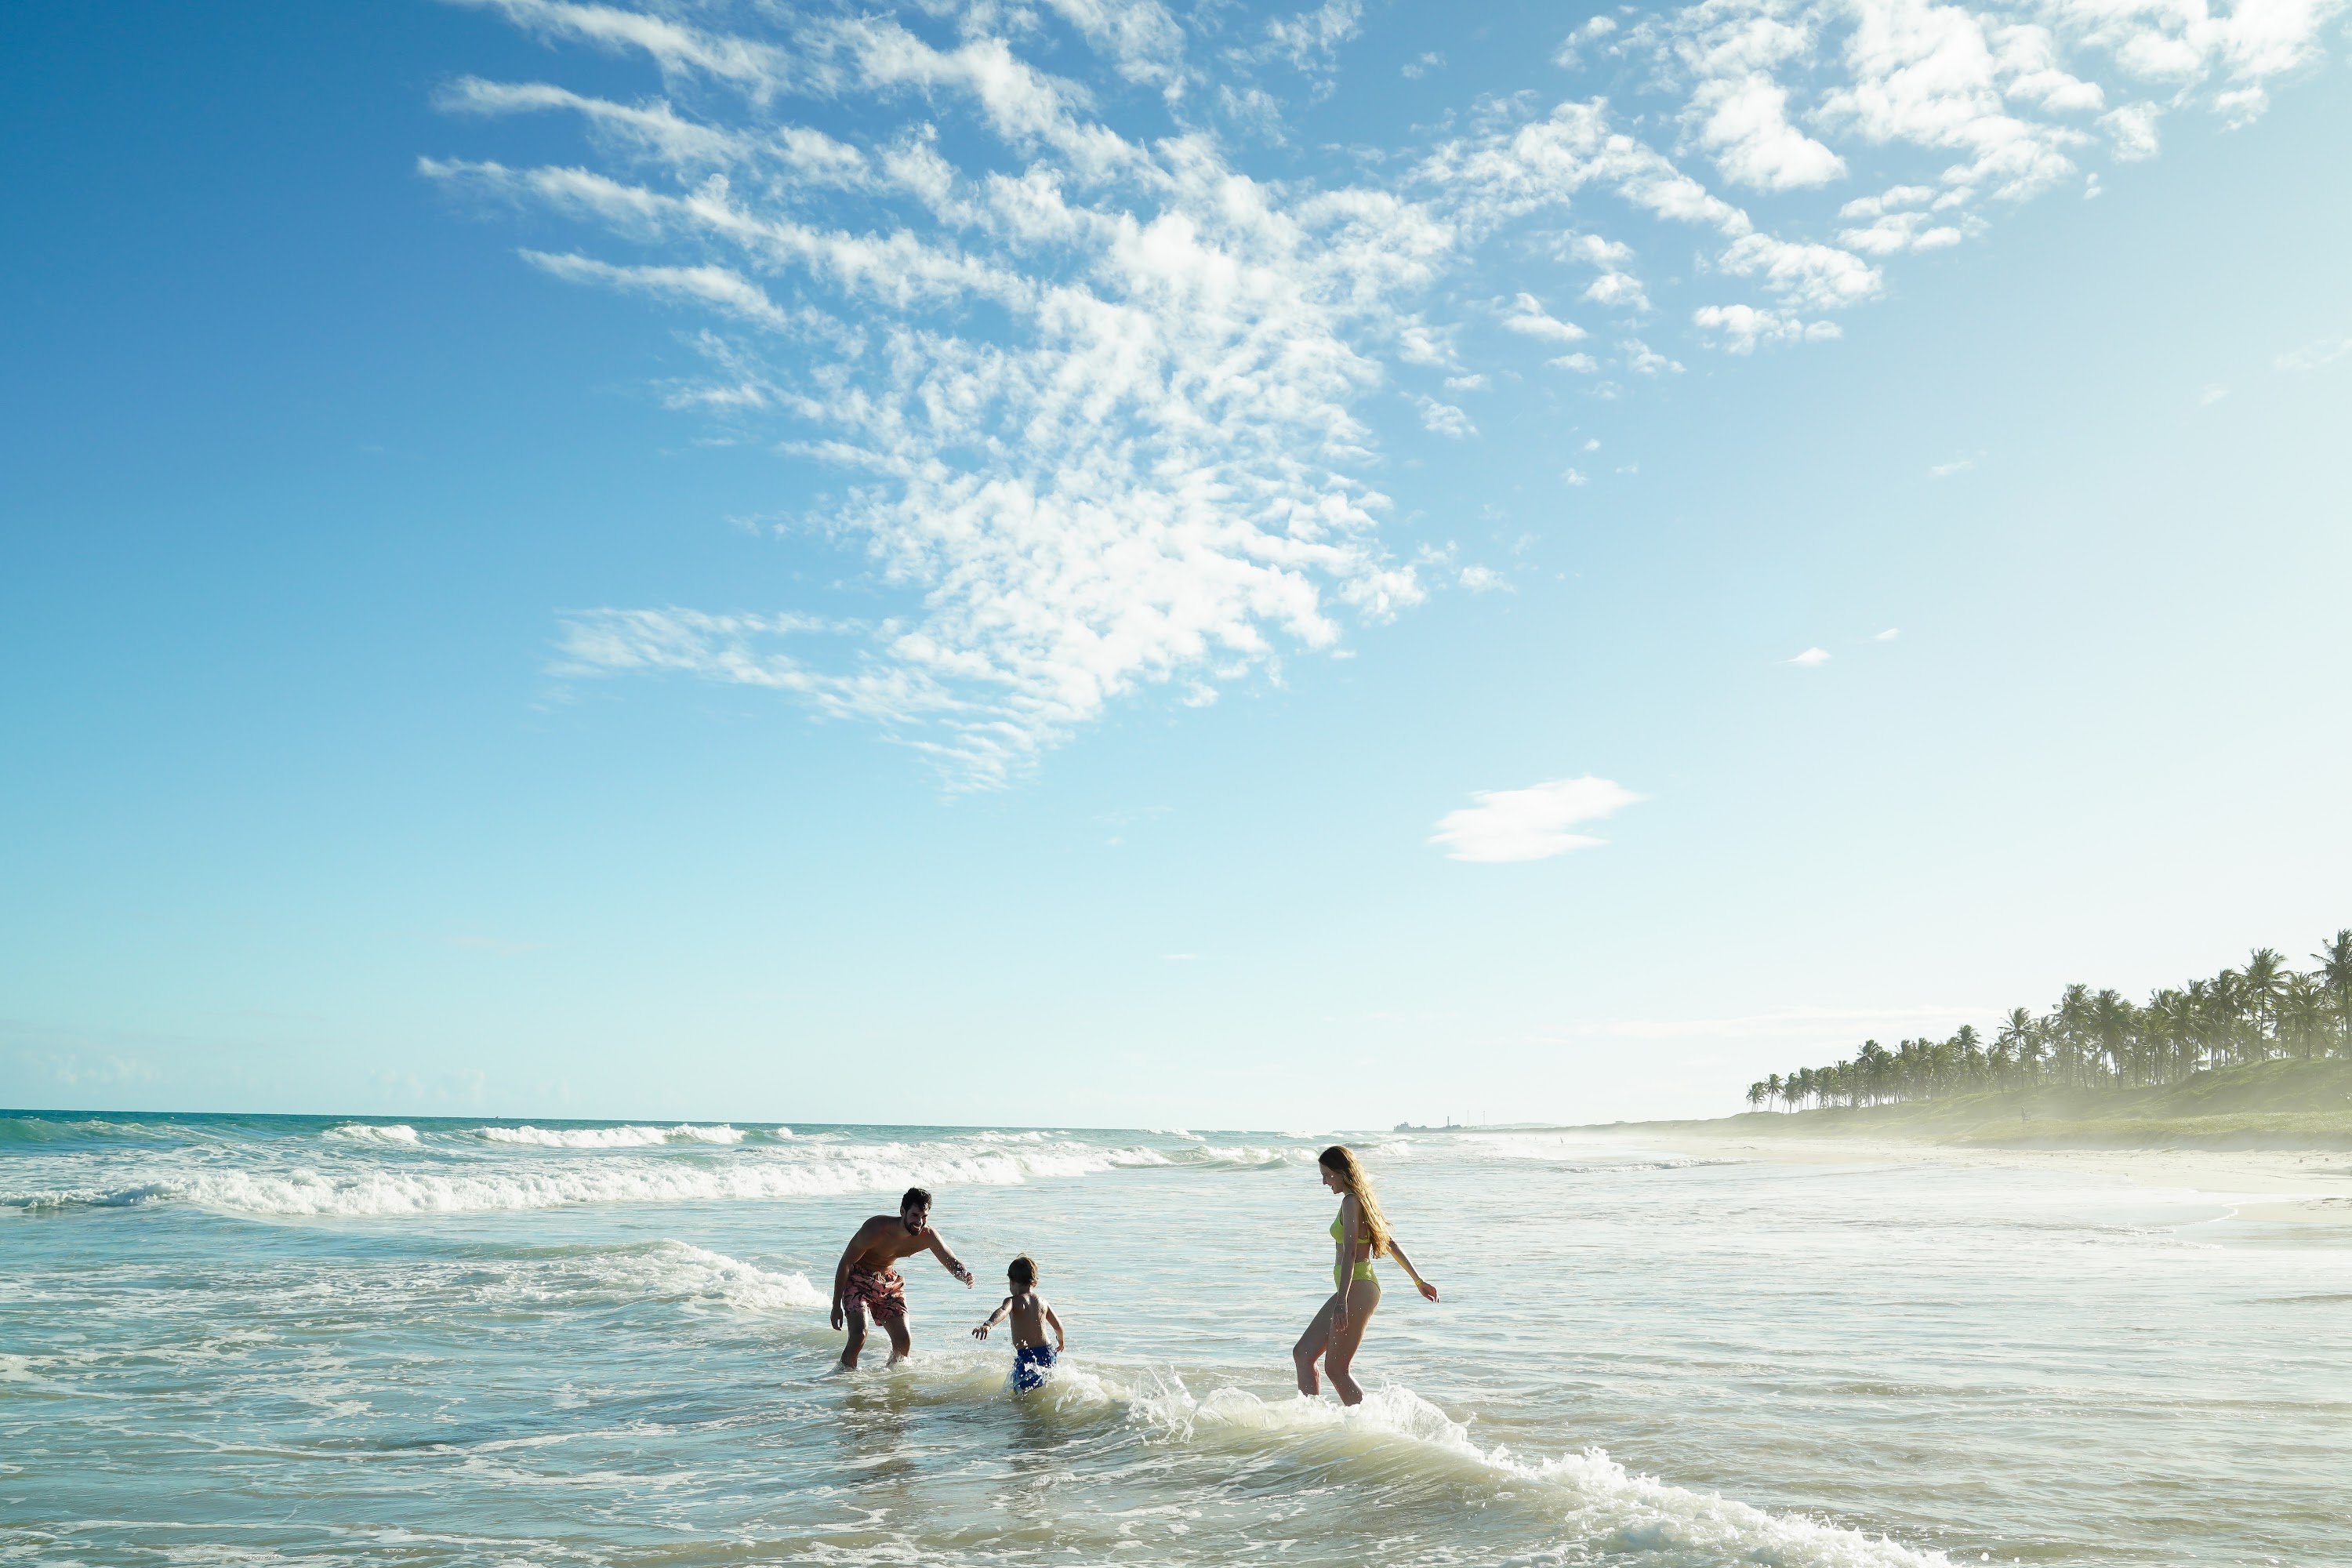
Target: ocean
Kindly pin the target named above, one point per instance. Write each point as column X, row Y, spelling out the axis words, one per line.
column 282, row 1339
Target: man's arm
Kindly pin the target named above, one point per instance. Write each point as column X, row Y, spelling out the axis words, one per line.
column 1060, row 1342
column 948, row 1261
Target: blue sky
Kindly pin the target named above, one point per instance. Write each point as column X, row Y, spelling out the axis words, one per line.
column 1113, row 561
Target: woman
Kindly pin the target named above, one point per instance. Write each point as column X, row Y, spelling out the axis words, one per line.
column 1360, row 1235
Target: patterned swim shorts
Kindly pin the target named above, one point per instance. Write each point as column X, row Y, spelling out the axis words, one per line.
column 880, row 1292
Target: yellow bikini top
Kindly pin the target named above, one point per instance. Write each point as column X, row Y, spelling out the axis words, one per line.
column 1339, row 1265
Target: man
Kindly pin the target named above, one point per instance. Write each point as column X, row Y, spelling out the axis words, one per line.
column 865, row 1279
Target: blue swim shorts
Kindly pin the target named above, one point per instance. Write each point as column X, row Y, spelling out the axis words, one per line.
column 1030, row 1364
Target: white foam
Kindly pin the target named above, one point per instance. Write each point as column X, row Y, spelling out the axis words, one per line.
column 1599, row 1503
column 751, row 1176
column 679, row 1268
column 609, row 1137
column 375, row 1132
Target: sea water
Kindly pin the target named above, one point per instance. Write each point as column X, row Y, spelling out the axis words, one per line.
column 237, row 1340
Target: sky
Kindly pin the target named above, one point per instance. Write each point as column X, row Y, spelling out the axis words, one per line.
column 1122, row 563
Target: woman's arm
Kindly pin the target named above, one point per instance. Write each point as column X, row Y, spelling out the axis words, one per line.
column 1397, row 1252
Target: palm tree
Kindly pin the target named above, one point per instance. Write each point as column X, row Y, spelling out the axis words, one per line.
column 1755, row 1095
column 2225, row 1010
column 2261, row 989
column 2110, row 1019
column 2303, row 1016
column 2073, row 1019
column 2335, row 975
column 2016, row 1037
column 1772, row 1086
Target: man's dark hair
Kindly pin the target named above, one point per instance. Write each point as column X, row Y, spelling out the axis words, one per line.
column 1023, row 1271
column 915, row 1195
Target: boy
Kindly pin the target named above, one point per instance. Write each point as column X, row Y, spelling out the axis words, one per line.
column 1031, row 1355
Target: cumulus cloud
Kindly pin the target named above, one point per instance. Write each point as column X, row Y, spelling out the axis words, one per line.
column 1528, row 317
column 1529, row 824
column 1811, row 658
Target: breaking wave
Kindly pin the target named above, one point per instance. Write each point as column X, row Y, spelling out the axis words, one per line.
column 396, row 1132
column 608, row 1137
column 1605, row 1508
column 650, row 1178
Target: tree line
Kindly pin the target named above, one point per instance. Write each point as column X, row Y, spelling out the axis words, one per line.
column 2097, row 1038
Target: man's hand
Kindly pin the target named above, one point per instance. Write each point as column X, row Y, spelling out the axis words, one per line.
column 840, row 1318
column 965, row 1275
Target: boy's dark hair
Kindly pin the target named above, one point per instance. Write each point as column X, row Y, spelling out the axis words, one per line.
column 915, row 1195
column 1023, row 1271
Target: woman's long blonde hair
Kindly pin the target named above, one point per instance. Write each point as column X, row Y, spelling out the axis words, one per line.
column 1341, row 1161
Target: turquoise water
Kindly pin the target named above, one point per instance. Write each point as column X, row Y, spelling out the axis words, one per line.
column 275, row 1339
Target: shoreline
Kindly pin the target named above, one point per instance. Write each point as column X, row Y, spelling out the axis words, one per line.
column 2285, row 1186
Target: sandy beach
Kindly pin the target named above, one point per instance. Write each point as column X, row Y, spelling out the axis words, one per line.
column 2284, row 1186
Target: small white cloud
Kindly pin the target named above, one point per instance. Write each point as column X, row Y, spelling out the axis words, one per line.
column 1643, row 360
column 1889, row 635
column 2312, row 355
column 1444, row 418
column 1811, row 658
column 1946, row 470
column 1481, row 579
column 1465, row 383
column 1532, row 824
column 1573, row 477
column 1179, row 957
column 2211, row 395
column 1530, row 320
column 1583, row 365
column 1592, row 443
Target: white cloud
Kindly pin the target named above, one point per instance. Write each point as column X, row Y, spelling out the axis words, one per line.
column 1481, row 579
column 2314, row 354
column 1091, row 387
column 1444, row 419
column 1946, row 470
column 1811, row 658
column 1529, row 824
column 1311, row 38
column 1528, row 318
column 1573, row 477
column 2212, row 395
column 1889, row 635
column 1643, row 360
column 1742, row 327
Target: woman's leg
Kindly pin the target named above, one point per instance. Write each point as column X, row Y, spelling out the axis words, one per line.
column 1310, row 1346
column 1363, row 1297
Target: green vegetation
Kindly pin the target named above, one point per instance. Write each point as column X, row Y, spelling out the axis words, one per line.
column 2101, row 1046
column 2280, row 1103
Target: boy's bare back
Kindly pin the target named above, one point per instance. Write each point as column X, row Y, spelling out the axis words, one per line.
column 1027, row 1311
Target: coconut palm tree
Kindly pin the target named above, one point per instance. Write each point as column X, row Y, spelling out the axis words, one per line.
column 2260, row 990
column 2304, row 1016
column 2015, row 1035
column 2335, row 975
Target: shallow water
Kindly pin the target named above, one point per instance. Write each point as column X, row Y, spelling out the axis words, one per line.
column 263, row 1339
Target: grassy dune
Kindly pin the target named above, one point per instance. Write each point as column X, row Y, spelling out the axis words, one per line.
column 2282, row 1104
